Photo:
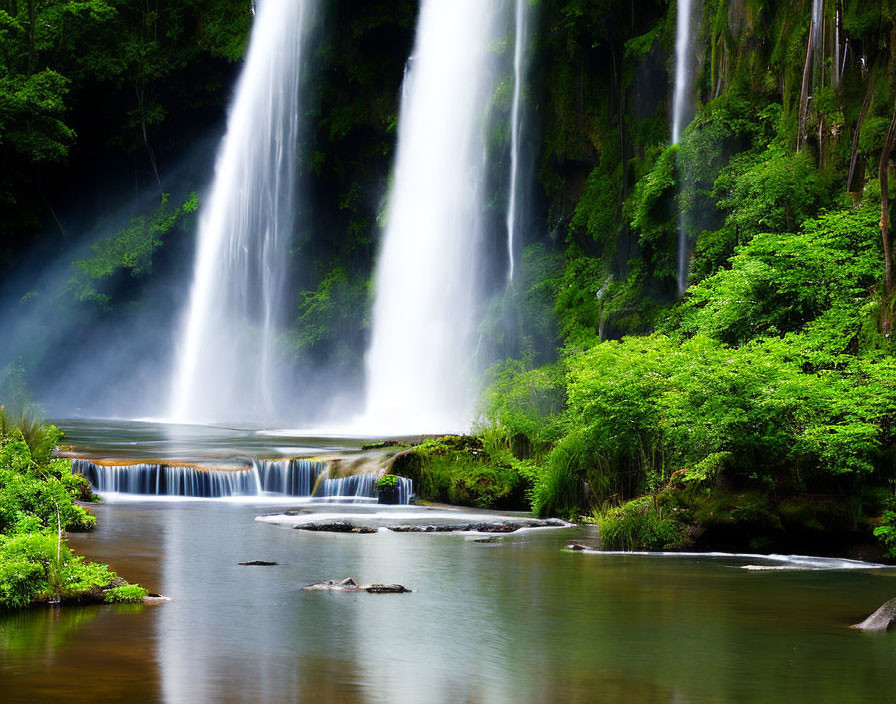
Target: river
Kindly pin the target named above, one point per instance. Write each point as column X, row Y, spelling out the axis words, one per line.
column 516, row 619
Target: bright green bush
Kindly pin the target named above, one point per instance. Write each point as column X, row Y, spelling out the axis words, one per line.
column 127, row 594
column 387, row 481
column 36, row 506
column 886, row 532
column 639, row 525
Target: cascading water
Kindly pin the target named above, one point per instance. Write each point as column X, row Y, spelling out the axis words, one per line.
column 286, row 478
column 683, row 110
column 520, row 23
column 225, row 368
column 420, row 364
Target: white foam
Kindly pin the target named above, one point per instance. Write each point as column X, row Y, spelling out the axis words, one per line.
column 786, row 562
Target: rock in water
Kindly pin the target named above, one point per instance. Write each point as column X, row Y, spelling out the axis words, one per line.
column 884, row 619
column 344, row 585
column 257, row 563
column 385, row 589
column 335, row 527
column 349, row 585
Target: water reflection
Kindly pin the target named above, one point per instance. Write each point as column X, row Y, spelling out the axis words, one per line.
column 516, row 620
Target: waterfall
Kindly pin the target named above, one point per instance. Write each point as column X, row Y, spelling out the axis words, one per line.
column 683, row 110
column 519, row 44
column 682, row 106
column 225, row 367
column 420, row 364
column 287, row 478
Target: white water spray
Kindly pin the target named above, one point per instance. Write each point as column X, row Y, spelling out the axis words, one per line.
column 515, row 127
column 420, row 365
column 226, row 369
column 683, row 110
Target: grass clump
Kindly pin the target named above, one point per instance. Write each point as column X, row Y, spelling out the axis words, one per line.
column 642, row 524
column 126, row 594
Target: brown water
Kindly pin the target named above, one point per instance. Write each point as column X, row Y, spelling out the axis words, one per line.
column 516, row 620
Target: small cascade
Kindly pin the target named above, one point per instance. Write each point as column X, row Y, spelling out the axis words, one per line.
column 167, row 480
column 289, row 477
column 356, row 486
column 299, row 478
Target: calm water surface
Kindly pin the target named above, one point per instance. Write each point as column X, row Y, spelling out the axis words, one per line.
column 516, row 620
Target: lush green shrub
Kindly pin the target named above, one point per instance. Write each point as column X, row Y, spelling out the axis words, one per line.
column 639, row 525
column 886, row 532
column 387, row 481
column 127, row 594
column 36, row 506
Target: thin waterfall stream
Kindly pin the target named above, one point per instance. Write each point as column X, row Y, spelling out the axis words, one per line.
column 683, row 111
column 520, row 23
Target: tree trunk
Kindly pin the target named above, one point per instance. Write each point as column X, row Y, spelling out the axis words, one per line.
column 883, row 175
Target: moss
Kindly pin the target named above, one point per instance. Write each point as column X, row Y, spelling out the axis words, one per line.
column 458, row 470
column 125, row 594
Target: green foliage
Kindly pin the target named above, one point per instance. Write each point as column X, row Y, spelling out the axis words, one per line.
column 126, row 594
column 130, row 250
column 523, row 402
column 387, row 481
column 641, row 524
column 458, row 470
column 36, row 506
column 886, row 532
column 777, row 283
column 332, row 316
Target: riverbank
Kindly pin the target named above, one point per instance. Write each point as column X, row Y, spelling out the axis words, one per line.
column 41, row 500
column 695, row 511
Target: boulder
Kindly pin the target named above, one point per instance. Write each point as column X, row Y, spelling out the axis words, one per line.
column 385, row 589
column 884, row 619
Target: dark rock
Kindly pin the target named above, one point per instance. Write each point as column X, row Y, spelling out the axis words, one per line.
column 884, row 619
column 335, row 527
column 387, row 495
column 386, row 589
column 258, row 563
column 576, row 546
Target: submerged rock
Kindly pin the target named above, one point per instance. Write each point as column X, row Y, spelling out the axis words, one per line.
column 335, row 527
column 492, row 527
column 884, row 619
column 257, row 563
column 576, row 547
column 344, row 585
column 349, row 585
